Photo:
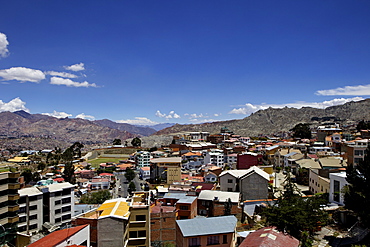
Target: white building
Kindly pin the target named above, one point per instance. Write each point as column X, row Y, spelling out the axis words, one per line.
column 52, row 203
column 215, row 158
column 142, row 158
column 30, row 210
column 337, row 182
column 145, row 173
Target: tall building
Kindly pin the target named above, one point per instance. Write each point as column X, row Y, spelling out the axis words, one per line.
column 9, row 186
column 119, row 222
column 166, row 169
column 52, row 204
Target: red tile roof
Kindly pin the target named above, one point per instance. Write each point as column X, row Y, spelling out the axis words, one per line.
column 57, row 237
column 269, row 237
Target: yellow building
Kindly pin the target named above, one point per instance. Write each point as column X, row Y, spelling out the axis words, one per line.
column 166, row 169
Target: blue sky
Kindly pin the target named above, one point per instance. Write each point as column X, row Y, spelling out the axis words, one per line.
column 147, row 62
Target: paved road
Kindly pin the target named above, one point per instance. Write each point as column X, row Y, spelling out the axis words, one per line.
column 123, row 183
column 279, row 182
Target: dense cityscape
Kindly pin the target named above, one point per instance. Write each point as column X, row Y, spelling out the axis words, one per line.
column 184, row 123
column 222, row 189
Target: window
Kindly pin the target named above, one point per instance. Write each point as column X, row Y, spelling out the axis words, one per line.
column 22, row 219
column 22, row 228
column 58, row 211
column 58, row 202
column 22, row 210
column 57, row 220
column 194, row 242
column 184, row 208
column 34, row 226
column 359, row 152
column 140, row 217
column 224, row 239
column 66, row 217
column 336, row 190
column 66, row 200
column 230, row 181
column 213, row 240
column 33, row 207
column 32, row 198
column 137, row 234
column 33, row 217
column 65, row 209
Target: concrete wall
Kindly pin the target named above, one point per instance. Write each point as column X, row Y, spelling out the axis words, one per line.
column 225, row 185
column 111, row 232
column 253, row 187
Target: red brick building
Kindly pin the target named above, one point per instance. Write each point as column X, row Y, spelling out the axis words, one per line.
column 163, row 224
column 203, row 231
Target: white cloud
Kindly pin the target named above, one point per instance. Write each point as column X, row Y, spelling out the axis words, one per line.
column 83, row 116
column 171, row 115
column 348, row 90
column 248, row 108
column 58, row 114
column 14, row 105
column 61, row 74
column 76, row 67
column 138, row 121
column 22, row 74
column 199, row 121
column 70, row 83
column 3, row 45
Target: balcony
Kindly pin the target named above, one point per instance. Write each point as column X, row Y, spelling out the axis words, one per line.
column 13, row 197
column 14, row 219
column 13, row 208
column 14, row 186
column 14, row 175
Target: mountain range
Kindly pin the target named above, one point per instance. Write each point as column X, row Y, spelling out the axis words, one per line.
column 22, row 130
column 275, row 120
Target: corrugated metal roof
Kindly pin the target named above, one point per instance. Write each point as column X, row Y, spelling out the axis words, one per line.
column 222, row 196
column 117, row 208
column 207, row 226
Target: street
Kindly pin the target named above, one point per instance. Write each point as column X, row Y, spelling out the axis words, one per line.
column 122, row 185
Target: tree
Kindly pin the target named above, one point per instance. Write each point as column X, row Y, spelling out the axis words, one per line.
column 136, row 142
column 362, row 125
column 131, row 187
column 73, row 151
column 27, row 175
column 129, row 174
column 357, row 193
column 41, row 166
column 69, row 170
column 295, row 215
column 302, row 130
column 96, row 197
column 117, row 142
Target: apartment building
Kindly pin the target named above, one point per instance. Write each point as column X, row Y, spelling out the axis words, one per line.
column 203, row 231
column 356, row 150
column 166, row 169
column 52, row 203
column 215, row 158
column 142, row 158
column 119, row 222
column 9, row 186
column 337, row 182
